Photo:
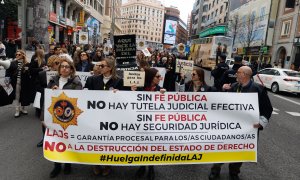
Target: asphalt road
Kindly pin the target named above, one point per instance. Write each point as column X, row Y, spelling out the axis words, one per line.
column 278, row 154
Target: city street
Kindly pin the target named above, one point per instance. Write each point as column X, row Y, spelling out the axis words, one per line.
column 278, row 154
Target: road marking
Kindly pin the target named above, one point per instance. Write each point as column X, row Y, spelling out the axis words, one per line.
column 275, row 109
column 293, row 113
column 274, row 112
column 287, row 99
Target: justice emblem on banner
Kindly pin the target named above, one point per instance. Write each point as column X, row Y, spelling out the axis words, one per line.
column 141, row 44
column 64, row 111
column 83, row 37
column 181, row 48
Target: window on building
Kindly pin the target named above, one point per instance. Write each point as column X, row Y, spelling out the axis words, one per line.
column 221, row 9
column 290, row 3
column 286, row 27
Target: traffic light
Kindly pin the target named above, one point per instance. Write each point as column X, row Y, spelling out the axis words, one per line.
column 109, row 35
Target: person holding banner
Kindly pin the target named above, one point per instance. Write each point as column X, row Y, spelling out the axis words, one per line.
column 244, row 84
column 152, row 79
column 41, row 84
column 19, row 75
column 197, row 83
column 107, row 80
column 85, row 63
column 65, row 79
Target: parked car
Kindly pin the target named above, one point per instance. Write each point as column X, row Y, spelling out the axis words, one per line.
column 278, row 80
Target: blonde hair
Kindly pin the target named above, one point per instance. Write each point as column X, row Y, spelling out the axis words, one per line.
column 40, row 56
column 52, row 59
column 111, row 62
column 24, row 56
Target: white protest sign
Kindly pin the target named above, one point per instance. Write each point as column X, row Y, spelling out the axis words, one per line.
column 184, row 66
column 134, row 78
column 81, row 75
column 146, row 52
column 149, row 128
column 6, row 85
column 162, row 72
column 83, row 37
column 140, row 44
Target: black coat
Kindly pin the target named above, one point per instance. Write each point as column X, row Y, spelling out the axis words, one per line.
column 189, row 87
column 40, row 85
column 88, row 69
column 96, row 83
column 26, row 95
column 265, row 106
column 73, row 83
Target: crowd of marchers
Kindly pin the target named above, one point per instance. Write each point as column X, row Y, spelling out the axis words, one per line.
column 29, row 77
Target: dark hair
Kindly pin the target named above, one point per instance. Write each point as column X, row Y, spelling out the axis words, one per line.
column 149, row 76
column 200, row 73
column 88, row 55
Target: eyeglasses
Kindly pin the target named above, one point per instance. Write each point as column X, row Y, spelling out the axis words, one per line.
column 56, row 63
column 65, row 66
column 194, row 74
column 102, row 65
column 83, row 54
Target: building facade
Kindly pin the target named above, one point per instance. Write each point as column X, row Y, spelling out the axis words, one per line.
column 145, row 19
column 181, row 33
column 252, row 28
column 286, row 47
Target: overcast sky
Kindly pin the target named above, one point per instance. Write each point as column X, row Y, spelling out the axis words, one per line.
column 185, row 7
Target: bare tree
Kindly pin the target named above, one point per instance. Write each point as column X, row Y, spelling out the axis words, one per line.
column 233, row 27
column 246, row 32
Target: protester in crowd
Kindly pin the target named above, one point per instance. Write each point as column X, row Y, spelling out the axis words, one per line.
column 254, row 67
column 50, row 53
column 11, row 49
column 2, row 50
column 218, row 72
column 244, row 84
column 35, row 66
column 76, row 56
column 98, row 56
column 153, row 61
column 64, row 53
column 65, row 79
column 229, row 76
column 170, row 77
column 143, row 65
column 85, row 63
column 96, row 70
column 108, row 80
column 41, row 84
column 19, row 76
column 57, row 50
column 197, row 83
column 152, row 79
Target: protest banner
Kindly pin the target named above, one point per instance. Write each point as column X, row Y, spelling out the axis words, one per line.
column 184, row 66
column 149, row 128
column 141, row 44
column 125, row 48
column 81, row 75
column 134, row 78
column 146, row 52
column 162, row 72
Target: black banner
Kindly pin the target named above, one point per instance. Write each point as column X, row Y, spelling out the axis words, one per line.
column 125, row 48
